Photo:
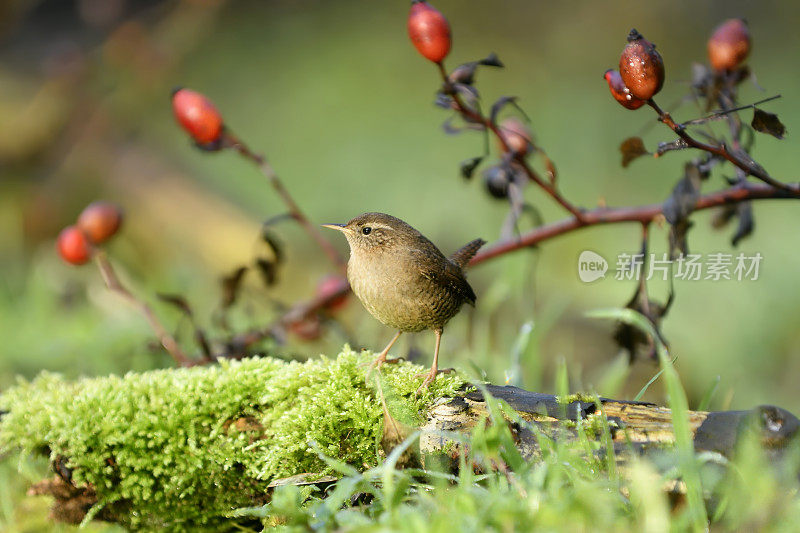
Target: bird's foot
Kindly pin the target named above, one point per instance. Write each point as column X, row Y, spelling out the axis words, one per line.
column 430, row 377
column 378, row 362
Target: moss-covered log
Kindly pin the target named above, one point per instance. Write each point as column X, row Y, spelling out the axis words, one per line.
column 181, row 448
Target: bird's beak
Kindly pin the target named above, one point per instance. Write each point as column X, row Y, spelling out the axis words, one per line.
column 337, row 227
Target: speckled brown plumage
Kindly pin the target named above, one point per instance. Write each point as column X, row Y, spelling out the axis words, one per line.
column 402, row 278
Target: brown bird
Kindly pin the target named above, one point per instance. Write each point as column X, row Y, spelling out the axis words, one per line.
column 403, row 279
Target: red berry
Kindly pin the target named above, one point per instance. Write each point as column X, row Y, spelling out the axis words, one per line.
column 641, row 67
column 74, row 246
column 729, row 45
column 330, row 285
column 517, row 136
column 197, row 115
column 100, row 221
column 429, row 31
column 621, row 93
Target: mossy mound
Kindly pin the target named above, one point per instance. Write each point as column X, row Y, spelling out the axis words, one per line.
column 180, row 448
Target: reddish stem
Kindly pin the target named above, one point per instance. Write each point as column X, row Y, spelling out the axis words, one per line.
column 115, row 285
column 641, row 214
column 294, row 210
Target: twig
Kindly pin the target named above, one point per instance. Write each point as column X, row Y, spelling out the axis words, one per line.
column 472, row 115
column 721, row 151
column 115, row 285
column 294, row 210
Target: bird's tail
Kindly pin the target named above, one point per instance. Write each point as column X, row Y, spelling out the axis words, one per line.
column 462, row 256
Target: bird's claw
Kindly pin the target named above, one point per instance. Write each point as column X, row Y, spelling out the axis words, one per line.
column 378, row 362
column 430, row 377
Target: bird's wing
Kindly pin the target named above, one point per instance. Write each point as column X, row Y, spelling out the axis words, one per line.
column 446, row 274
column 462, row 256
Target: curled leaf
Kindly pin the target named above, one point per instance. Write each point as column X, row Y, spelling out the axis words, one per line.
column 230, row 286
column 449, row 128
column 275, row 245
column 177, row 301
column 765, row 122
column 268, row 270
column 744, row 211
column 499, row 105
column 468, row 166
column 492, row 61
column 632, row 148
column 634, row 340
column 679, row 206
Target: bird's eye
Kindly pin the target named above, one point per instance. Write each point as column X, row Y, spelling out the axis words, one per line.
column 366, row 230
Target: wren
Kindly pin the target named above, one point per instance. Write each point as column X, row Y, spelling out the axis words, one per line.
column 403, row 279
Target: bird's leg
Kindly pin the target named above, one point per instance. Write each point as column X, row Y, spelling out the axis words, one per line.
column 382, row 356
column 430, row 376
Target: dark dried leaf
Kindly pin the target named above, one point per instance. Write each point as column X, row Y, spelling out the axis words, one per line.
column 268, row 270
column 449, row 128
column 680, row 205
column 632, row 148
column 492, row 61
column 230, row 286
column 684, row 195
column 202, row 341
column 636, row 342
column 444, row 101
column 723, row 216
column 464, row 73
column 744, row 211
column 468, row 166
column 469, row 94
column 177, row 301
column 677, row 237
column 499, row 105
column 275, row 245
column 765, row 122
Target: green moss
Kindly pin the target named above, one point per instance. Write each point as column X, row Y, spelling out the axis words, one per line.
column 179, row 448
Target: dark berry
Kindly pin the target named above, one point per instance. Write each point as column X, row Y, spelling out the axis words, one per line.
column 497, row 180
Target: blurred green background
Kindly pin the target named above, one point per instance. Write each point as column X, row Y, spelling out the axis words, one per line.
column 341, row 103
